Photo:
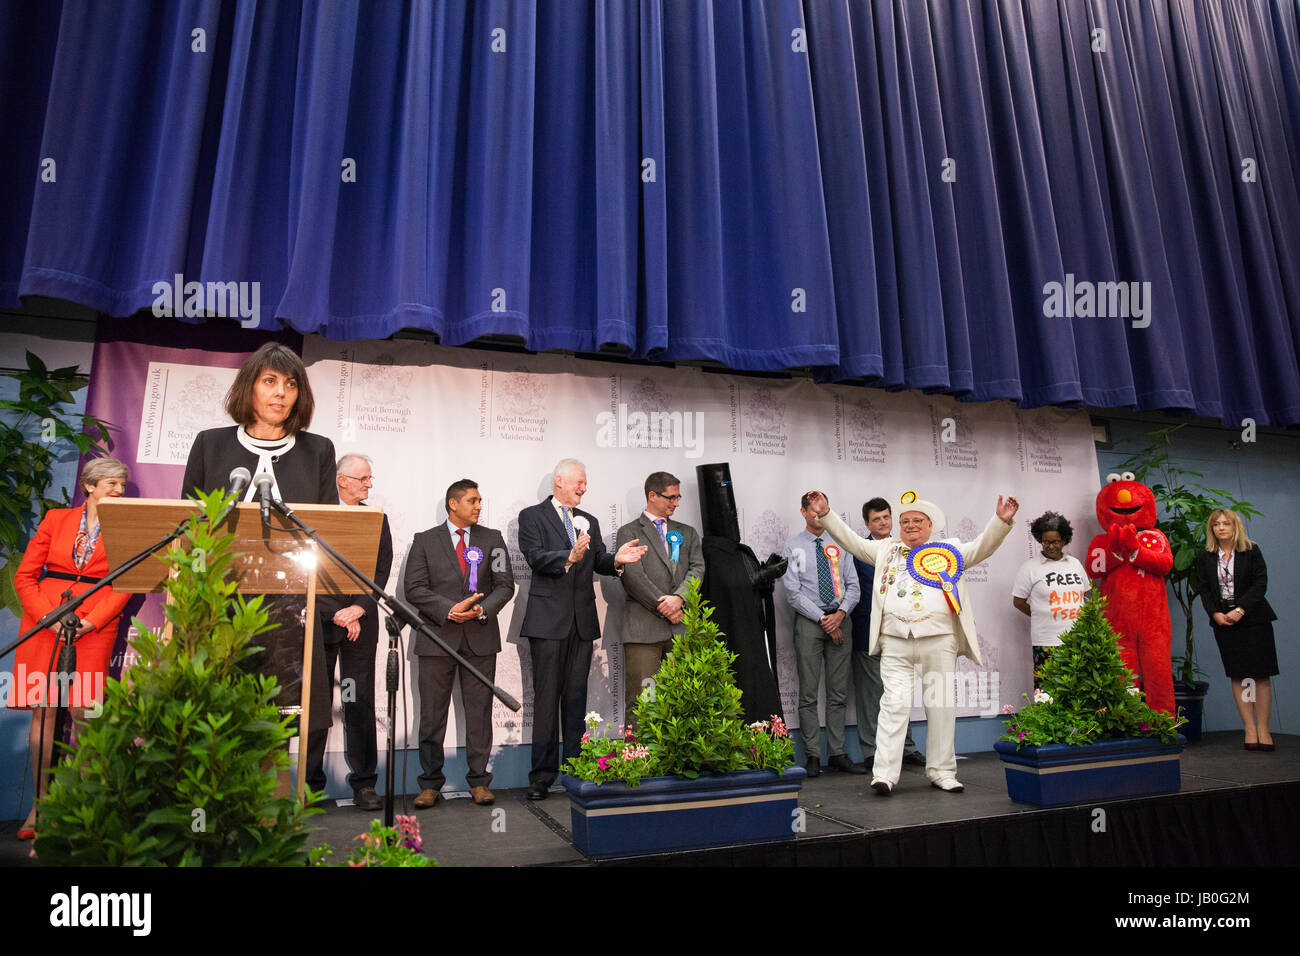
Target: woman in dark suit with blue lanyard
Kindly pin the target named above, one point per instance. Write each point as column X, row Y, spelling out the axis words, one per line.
column 1231, row 579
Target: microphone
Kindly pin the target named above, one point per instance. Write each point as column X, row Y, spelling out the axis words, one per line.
column 263, row 482
column 239, row 479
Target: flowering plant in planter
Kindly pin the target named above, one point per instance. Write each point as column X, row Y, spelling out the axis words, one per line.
column 1087, row 693
column 690, row 722
column 616, row 756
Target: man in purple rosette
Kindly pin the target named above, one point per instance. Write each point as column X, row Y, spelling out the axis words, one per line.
column 458, row 575
column 921, row 617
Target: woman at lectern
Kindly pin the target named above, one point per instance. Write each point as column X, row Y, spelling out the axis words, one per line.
column 63, row 559
column 271, row 403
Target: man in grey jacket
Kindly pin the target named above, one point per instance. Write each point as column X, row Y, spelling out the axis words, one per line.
column 656, row 584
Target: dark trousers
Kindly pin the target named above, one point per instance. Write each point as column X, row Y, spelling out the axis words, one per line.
column 436, row 674
column 355, row 661
column 641, row 662
column 560, row 671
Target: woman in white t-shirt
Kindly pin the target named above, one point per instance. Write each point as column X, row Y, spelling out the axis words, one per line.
column 1049, row 588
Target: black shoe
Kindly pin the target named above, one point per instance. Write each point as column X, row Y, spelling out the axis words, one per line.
column 842, row 763
column 367, row 799
column 814, row 767
column 883, row 788
column 915, row 758
column 537, row 791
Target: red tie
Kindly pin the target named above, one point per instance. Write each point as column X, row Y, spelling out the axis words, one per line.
column 460, row 551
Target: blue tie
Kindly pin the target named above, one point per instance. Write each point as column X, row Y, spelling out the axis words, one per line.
column 659, row 526
column 825, row 584
column 568, row 526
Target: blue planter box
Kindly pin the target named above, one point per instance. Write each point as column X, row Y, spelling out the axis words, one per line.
column 673, row 813
column 1057, row 775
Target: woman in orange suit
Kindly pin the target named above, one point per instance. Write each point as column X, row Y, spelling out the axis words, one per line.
column 63, row 560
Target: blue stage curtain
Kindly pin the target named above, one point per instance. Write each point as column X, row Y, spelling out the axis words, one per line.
column 880, row 190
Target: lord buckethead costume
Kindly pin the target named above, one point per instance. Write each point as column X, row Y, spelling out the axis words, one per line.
column 1131, row 560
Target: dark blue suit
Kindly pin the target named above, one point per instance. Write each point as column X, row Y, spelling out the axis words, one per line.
column 561, row 625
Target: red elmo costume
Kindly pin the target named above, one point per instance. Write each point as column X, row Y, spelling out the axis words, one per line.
column 1131, row 560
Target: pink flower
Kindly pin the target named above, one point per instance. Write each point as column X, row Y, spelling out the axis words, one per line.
column 1006, row 709
column 586, row 738
column 1144, row 726
column 604, row 760
column 1022, row 735
column 778, row 727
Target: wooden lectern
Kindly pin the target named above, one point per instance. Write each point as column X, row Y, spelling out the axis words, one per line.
column 277, row 561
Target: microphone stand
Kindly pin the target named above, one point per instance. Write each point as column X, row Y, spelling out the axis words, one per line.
column 400, row 615
column 391, row 673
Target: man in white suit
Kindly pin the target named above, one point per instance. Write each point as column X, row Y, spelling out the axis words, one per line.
column 914, row 624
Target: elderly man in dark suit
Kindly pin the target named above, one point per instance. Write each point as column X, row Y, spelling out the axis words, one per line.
column 458, row 575
column 349, row 625
column 563, row 547
column 657, row 585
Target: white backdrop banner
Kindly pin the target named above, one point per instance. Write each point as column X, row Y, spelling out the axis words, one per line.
column 430, row 415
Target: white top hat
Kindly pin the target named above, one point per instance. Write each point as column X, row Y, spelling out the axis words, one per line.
column 908, row 501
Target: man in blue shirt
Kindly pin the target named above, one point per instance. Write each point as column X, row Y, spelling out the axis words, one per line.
column 866, row 667
column 822, row 588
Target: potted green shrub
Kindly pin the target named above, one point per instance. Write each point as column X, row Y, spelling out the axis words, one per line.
column 1186, row 506
column 692, row 774
column 180, row 766
column 1088, row 734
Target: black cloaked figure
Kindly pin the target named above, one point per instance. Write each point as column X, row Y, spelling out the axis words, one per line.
column 740, row 589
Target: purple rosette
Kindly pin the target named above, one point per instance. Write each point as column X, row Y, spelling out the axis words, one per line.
column 473, row 557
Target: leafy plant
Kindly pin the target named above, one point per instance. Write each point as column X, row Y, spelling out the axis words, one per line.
column 690, row 722
column 382, row 846
column 1186, row 506
column 1086, row 693
column 27, row 457
column 180, row 767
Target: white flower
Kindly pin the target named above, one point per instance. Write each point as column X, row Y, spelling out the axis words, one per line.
column 758, row 726
column 1134, row 690
column 592, row 719
column 1042, row 697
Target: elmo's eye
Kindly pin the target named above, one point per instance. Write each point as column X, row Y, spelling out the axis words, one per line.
column 1113, row 476
column 1128, row 476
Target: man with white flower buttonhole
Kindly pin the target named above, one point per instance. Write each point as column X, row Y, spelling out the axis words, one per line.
column 921, row 616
